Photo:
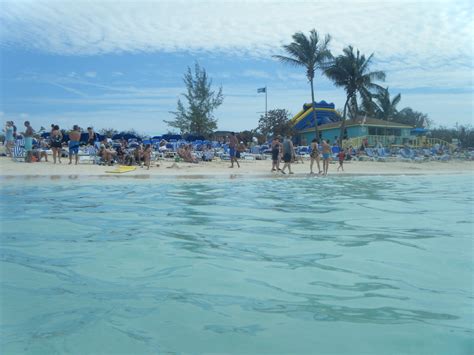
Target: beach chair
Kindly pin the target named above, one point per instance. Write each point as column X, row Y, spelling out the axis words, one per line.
column 370, row 153
column 88, row 155
column 18, row 150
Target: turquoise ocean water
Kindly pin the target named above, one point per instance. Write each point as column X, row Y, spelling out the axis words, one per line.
column 342, row 265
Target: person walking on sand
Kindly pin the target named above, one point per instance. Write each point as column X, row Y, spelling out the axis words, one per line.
column 314, row 156
column 326, row 156
column 288, row 154
column 28, row 135
column 341, row 156
column 56, row 138
column 276, row 145
column 74, row 139
column 233, row 142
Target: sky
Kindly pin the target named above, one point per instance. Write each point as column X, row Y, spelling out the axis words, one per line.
column 120, row 64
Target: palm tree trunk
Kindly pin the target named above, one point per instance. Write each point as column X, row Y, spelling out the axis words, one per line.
column 314, row 111
column 343, row 123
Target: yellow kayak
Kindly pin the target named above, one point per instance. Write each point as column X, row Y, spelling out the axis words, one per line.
column 121, row 169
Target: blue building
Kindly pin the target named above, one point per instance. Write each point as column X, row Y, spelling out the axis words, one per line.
column 329, row 126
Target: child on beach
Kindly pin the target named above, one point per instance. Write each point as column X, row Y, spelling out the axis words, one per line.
column 341, row 156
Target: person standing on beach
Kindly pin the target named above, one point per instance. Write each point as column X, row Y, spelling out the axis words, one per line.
column 276, row 145
column 147, row 156
column 92, row 137
column 341, row 156
column 326, row 156
column 288, row 154
column 314, row 156
column 233, row 142
column 56, row 138
column 28, row 135
column 74, row 139
column 9, row 139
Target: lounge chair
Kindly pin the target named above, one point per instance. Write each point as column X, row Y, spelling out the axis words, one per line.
column 18, row 151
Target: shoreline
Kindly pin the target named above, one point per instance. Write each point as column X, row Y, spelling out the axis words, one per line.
column 220, row 169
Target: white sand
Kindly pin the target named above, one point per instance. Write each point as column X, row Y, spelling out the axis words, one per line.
column 220, row 168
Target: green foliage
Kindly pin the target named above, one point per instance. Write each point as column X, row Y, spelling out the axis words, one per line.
column 276, row 123
column 197, row 118
column 385, row 107
column 131, row 132
column 465, row 134
column 350, row 71
column 311, row 53
column 247, row 136
column 108, row 132
column 413, row 118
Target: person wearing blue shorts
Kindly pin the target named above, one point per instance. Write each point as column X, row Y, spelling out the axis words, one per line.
column 74, row 138
column 233, row 142
column 326, row 155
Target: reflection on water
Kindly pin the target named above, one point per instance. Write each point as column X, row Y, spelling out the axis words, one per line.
column 237, row 266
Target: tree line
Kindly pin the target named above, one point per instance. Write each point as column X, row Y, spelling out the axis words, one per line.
column 350, row 70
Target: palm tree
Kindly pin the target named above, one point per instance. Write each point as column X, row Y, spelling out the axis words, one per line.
column 351, row 71
column 310, row 53
column 386, row 108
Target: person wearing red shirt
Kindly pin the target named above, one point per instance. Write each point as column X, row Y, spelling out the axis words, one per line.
column 341, row 156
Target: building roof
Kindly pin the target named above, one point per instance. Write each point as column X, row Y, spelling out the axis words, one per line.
column 369, row 122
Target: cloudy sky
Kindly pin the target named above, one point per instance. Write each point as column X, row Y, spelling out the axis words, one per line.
column 121, row 64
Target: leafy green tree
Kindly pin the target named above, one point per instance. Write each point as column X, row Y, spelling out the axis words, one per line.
column 386, row 108
column 352, row 72
column 311, row 53
column 277, row 122
column 413, row 118
column 464, row 134
column 108, row 132
column 197, row 118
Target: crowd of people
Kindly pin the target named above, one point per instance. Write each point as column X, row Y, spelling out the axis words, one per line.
column 122, row 152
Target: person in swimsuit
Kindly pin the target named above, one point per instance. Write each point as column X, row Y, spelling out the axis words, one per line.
column 92, row 138
column 74, row 138
column 56, row 138
column 28, row 134
column 326, row 156
column 341, row 156
column 147, row 156
column 233, row 143
column 9, row 138
column 314, row 156
column 276, row 154
column 288, row 154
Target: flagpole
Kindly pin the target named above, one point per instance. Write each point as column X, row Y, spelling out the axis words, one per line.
column 266, row 102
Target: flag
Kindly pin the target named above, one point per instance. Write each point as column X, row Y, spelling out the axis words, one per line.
column 261, row 90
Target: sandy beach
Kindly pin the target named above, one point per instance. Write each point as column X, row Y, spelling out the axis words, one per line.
column 219, row 168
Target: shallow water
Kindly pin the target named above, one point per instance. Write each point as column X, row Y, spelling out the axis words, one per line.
column 372, row 265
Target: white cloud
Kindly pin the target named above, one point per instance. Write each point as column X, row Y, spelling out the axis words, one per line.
column 90, row 74
column 405, row 35
column 256, row 74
